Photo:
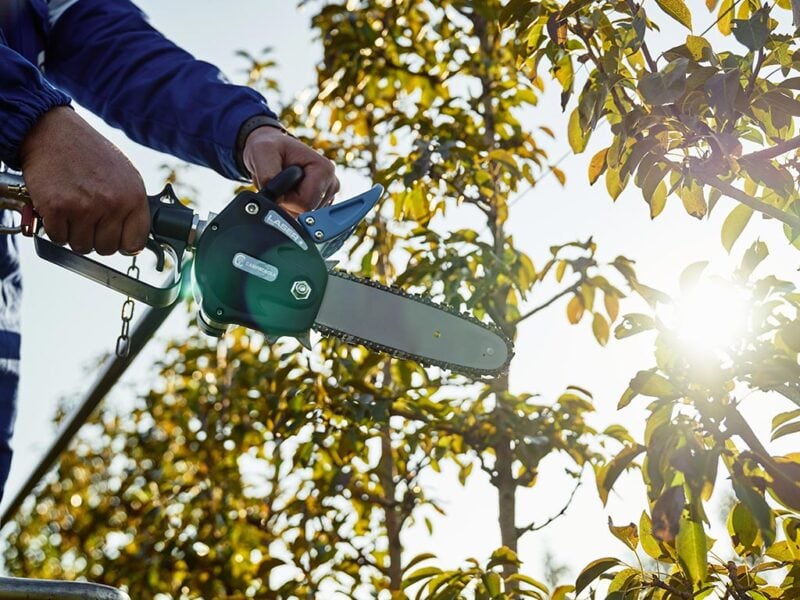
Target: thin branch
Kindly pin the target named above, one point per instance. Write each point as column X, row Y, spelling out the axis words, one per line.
column 574, row 287
column 736, row 588
column 533, row 527
column 742, row 197
column 775, row 151
column 656, row 582
column 634, row 8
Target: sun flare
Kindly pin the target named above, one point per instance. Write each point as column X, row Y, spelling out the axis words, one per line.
column 709, row 317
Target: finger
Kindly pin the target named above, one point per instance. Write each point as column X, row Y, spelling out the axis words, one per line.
column 135, row 230
column 57, row 230
column 81, row 235
column 107, row 236
column 331, row 193
column 314, row 189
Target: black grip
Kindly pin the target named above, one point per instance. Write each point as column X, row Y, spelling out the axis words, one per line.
column 283, row 183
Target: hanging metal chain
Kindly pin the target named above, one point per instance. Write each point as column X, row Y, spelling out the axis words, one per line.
column 124, row 340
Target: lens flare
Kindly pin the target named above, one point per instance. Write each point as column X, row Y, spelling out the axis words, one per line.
column 710, row 317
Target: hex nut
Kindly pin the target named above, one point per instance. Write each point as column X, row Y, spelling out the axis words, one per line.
column 301, row 290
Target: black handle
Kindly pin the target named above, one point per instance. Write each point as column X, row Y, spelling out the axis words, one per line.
column 283, row 183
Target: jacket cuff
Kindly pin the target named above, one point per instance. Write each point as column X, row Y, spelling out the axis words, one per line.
column 25, row 96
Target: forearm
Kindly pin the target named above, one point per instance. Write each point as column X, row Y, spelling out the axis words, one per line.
column 112, row 61
column 24, row 97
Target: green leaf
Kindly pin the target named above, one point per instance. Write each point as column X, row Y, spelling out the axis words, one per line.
column 665, row 86
column 785, row 430
column 678, row 10
column 632, row 324
column 692, row 547
column 753, row 32
column 607, row 474
column 649, row 383
column 593, row 570
column 658, row 200
column 734, row 224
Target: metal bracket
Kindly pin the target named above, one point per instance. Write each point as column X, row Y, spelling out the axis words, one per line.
column 329, row 227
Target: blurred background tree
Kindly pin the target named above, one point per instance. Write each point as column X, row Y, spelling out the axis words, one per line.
column 254, row 470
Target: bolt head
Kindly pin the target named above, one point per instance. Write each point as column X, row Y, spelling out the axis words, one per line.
column 318, row 234
column 310, row 220
column 219, row 312
column 251, row 208
column 301, row 290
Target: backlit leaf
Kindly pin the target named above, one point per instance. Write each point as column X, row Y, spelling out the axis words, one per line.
column 678, row 10
column 592, row 571
column 734, row 224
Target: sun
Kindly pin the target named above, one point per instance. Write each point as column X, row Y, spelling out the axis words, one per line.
column 709, row 318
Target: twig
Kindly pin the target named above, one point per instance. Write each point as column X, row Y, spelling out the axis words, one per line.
column 738, row 592
column 541, row 307
column 656, row 582
column 533, row 527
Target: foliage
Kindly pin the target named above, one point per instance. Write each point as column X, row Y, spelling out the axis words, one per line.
column 695, row 426
column 695, row 121
column 262, row 471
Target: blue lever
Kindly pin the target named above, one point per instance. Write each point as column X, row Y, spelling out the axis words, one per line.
column 329, row 227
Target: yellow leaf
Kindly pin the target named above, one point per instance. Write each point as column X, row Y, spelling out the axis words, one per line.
column 575, row 309
column 725, row 16
column 696, row 46
column 693, row 200
column 597, row 165
column 562, row 179
column 575, row 135
column 600, row 329
column 612, row 306
column 678, row 10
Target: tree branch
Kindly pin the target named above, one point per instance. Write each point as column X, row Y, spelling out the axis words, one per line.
column 533, row 527
column 574, row 287
column 742, row 197
column 775, row 151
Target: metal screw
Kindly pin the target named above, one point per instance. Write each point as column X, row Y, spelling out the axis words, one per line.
column 301, row 290
column 214, row 227
column 310, row 220
column 219, row 312
column 319, row 234
column 490, row 351
column 251, row 208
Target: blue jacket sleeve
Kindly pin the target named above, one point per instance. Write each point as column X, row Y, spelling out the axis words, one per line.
column 112, row 61
column 24, row 97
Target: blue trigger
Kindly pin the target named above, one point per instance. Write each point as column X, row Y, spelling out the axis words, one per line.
column 329, row 227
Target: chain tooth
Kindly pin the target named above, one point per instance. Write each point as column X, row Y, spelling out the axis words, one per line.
column 470, row 372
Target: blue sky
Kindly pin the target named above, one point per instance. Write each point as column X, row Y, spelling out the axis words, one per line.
column 69, row 323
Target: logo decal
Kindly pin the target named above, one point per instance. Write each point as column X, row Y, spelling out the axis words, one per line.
column 275, row 220
column 256, row 267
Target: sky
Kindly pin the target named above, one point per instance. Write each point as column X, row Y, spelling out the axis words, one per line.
column 69, row 323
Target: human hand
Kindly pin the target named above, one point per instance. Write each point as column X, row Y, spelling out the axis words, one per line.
column 84, row 189
column 268, row 151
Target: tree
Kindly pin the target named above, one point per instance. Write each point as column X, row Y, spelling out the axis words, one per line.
column 316, row 464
